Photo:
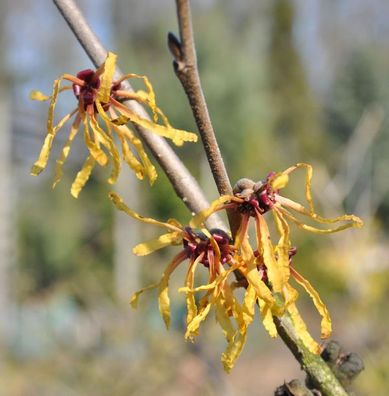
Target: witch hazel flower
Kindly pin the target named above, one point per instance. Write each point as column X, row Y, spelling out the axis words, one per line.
column 213, row 250
column 270, row 264
column 103, row 117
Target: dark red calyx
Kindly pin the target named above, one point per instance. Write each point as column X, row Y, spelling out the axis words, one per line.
column 87, row 93
column 197, row 243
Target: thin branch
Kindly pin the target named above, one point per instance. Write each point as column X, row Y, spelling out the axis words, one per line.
column 320, row 375
column 184, row 184
column 185, row 67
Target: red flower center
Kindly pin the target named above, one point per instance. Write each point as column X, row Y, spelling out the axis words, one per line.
column 87, row 93
column 197, row 243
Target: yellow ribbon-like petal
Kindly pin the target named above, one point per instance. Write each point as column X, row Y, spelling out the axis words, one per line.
column 301, row 330
column 102, row 137
column 163, row 291
column 107, row 77
column 189, row 282
column 274, row 272
column 233, row 351
column 326, row 326
column 145, row 248
column 356, row 223
column 198, row 220
column 267, row 318
column 41, row 163
column 279, row 181
column 224, row 320
column 118, row 202
column 38, row 95
column 178, row 136
column 193, row 327
column 94, row 147
column 251, row 274
column 308, row 179
column 148, row 168
column 135, row 297
column 283, row 246
column 249, row 301
column 82, row 177
column 65, row 151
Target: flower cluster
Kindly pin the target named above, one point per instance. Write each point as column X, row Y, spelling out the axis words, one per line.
column 263, row 270
column 103, row 116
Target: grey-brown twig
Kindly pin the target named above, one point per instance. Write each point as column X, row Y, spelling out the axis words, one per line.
column 184, row 184
column 185, row 67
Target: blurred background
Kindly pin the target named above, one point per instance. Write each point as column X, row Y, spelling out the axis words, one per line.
column 291, row 81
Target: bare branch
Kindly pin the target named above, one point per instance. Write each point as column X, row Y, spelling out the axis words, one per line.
column 317, row 370
column 185, row 66
column 185, row 186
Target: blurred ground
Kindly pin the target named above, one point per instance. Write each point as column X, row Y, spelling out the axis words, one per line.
column 291, row 82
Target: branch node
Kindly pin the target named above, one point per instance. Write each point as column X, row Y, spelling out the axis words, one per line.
column 175, row 49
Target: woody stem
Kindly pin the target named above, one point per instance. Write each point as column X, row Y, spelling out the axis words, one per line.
column 186, row 69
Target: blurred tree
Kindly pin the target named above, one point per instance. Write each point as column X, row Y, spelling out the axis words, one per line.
column 354, row 90
column 296, row 122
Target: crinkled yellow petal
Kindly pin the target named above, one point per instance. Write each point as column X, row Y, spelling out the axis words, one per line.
column 213, row 285
column 283, row 245
column 198, row 220
column 248, row 306
column 38, row 95
column 193, row 327
column 145, row 248
column 96, row 152
column 290, row 295
column 189, row 282
column 252, row 276
column 224, row 320
column 233, row 351
column 355, row 222
column 118, row 202
column 65, row 151
column 279, row 181
column 107, row 77
column 267, row 318
column 135, row 297
column 82, row 177
column 142, row 96
column 131, row 160
column 326, row 326
column 41, row 163
column 232, row 306
column 274, row 272
column 301, row 330
column 177, row 136
column 209, row 286
column 163, row 290
column 241, row 239
column 149, row 168
column 102, row 137
column 308, row 178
